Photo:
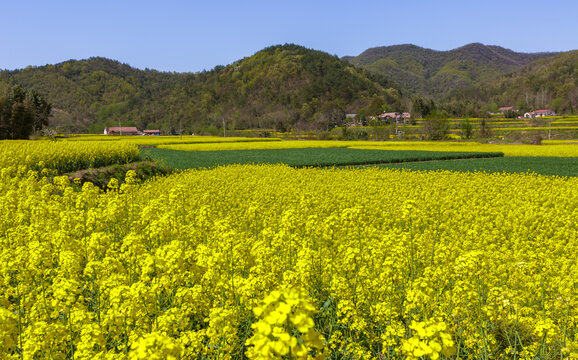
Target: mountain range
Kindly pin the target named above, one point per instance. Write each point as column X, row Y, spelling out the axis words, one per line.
column 292, row 86
column 286, row 85
column 436, row 74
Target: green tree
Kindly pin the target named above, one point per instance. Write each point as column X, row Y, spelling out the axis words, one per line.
column 485, row 130
column 573, row 99
column 309, row 109
column 493, row 108
column 375, row 106
column 511, row 114
column 22, row 112
column 435, row 126
column 421, row 107
column 466, row 129
column 522, row 106
column 280, row 126
column 558, row 105
column 362, row 116
column 381, row 131
column 331, row 115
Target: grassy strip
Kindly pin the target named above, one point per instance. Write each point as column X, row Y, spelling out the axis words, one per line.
column 298, row 157
column 560, row 166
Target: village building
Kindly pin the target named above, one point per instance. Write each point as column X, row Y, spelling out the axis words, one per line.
column 545, row 112
column 129, row 130
column 122, row 130
column 394, row 116
column 539, row 113
column 152, row 132
column 507, row 108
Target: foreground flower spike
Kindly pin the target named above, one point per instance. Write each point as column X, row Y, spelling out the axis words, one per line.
column 430, row 338
column 285, row 328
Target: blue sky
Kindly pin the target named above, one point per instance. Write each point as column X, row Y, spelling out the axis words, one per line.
column 189, row 36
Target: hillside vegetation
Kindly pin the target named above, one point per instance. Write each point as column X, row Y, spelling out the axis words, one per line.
column 431, row 73
column 547, row 83
column 281, row 86
column 290, row 87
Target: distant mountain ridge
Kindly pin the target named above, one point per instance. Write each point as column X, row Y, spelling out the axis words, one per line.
column 285, row 84
column 435, row 73
column 550, row 82
column 292, row 86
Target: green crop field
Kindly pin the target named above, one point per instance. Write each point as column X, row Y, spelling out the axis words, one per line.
column 561, row 166
column 299, row 157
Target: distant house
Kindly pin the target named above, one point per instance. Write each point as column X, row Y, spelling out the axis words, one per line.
column 539, row 113
column 123, row 130
column 506, row 108
column 152, row 132
column 544, row 112
column 394, row 116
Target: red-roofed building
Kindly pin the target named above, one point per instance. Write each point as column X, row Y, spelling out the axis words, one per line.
column 152, row 132
column 387, row 116
column 507, row 108
column 539, row 113
column 545, row 112
column 123, row 130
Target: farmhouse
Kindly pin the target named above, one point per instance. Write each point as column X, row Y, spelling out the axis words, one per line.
column 545, row 112
column 506, row 108
column 123, row 130
column 151, row 132
column 394, row 116
column 539, row 113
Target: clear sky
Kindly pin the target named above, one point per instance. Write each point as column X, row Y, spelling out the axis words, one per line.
column 189, row 36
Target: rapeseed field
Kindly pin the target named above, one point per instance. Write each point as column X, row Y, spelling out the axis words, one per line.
column 272, row 262
column 64, row 156
column 554, row 150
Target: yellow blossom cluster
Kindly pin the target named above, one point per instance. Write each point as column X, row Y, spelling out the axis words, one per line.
column 284, row 144
column 555, row 149
column 430, row 339
column 281, row 315
column 167, row 139
column 274, row 262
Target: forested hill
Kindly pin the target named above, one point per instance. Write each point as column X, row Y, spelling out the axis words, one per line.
column 286, row 84
column 87, row 92
column 435, row 74
column 547, row 83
